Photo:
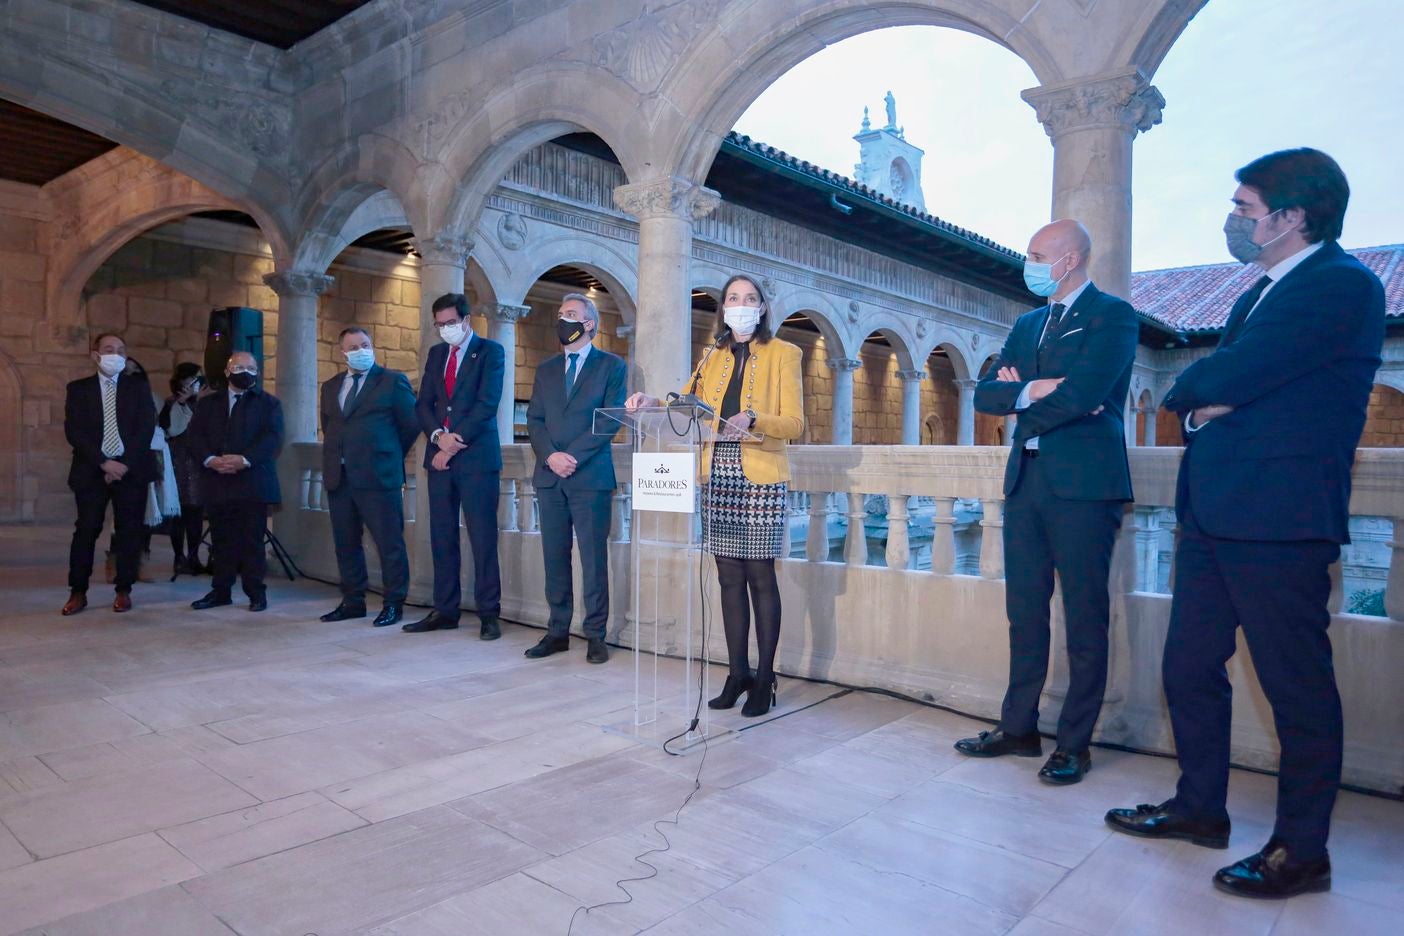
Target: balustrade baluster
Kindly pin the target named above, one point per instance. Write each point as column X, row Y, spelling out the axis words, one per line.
column 899, row 554
column 992, row 539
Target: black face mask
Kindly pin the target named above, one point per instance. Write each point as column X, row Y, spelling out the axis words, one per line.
column 569, row 332
column 240, row 380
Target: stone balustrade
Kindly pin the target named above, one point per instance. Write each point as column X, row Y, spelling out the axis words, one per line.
column 861, row 610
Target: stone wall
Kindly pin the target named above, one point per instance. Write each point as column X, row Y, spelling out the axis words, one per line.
column 1384, row 426
column 33, row 455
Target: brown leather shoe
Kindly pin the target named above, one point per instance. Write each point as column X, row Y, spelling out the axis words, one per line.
column 76, row 602
column 123, row 602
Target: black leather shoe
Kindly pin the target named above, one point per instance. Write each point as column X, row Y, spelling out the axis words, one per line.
column 1162, row 822
column 390, row 614
column 211, row 601
column 997, row 744
column 432, row 622
column 760, row 697
column 735, row 685
column 1273, row 874
column 258, row 604
column 548, row 645
column 490, row 629
column 597, row 653
column 344, row 612
column 1065, row 768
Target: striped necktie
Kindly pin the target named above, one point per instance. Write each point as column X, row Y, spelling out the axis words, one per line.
column 111, row 436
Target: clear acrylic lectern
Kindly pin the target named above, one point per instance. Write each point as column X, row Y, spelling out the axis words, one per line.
column 668, row 603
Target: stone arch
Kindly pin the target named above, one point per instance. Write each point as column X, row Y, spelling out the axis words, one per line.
column 772, row 38
column 602, row 259
column 1384, row 413
column 147, row 195
column 369, row 184
column 957, row 348
column 1160, row 26
column 537, row 106
column 1145, row 403
column 12, row 448
column 896, row 334
column 819, row 308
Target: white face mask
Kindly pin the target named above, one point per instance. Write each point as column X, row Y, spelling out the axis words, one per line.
column 742, row 320
column 112, row 364
column 453, row 333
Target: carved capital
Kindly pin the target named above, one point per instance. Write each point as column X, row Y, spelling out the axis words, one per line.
column 966, row 387
column 1120, row 102
column 510, row 314
column 293, row 283
column 444, row 250
column 916, row 375
column 624, row 331
column 843, row 364
column 666, row 198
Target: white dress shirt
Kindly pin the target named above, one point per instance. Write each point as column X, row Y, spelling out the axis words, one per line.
column 347, row 383
column 580, row 355
column 1274, row 273
column 1066, row 302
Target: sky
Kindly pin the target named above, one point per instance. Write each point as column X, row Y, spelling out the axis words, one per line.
column 1246, row 77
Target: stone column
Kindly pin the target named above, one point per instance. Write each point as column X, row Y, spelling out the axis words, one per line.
column 441, row 265
column 911, row 405
column 1092, row 123
column 502, row 328
column 1150, row 412
column 296, row 384
column 842, row 409
column 1010, row 424
column 965, row 423
column 442, row 262
column 627, row 333
column 665, row 209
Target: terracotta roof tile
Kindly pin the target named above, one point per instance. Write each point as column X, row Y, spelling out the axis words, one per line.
column 1198, row 299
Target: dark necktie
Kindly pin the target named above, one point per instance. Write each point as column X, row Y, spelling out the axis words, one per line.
column 1054, row 329
column 1251, row 298
column 350, row 397
column 570, row 371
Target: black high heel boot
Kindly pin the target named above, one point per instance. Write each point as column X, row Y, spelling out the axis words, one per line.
column 731, row 691
column 760, row 698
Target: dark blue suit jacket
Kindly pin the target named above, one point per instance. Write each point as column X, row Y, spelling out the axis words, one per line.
column 368, row 443
column 472, row 412
column 83, row 426
column 1298, row 373
column 254, row 430
column 1085, row 454
column 561, row 422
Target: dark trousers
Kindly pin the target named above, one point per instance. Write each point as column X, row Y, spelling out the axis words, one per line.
column 587, row 514
column 236, row 546
column 1277, row 592
column 1043, row 533
column 452, row 493
column 128, row 500
column 382, row 512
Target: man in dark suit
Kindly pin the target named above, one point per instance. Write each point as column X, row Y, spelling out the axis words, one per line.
column 236, row 436
column 368, row 427
column 457, row 408
column 574, row 476
column 1064, row 370
column 109, row 419
column 1272, row 419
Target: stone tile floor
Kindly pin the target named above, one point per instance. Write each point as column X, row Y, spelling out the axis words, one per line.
column 193, row 773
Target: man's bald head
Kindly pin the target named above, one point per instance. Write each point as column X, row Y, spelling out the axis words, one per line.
column 241, row 360
column 1065, row 246
column 1061, row 237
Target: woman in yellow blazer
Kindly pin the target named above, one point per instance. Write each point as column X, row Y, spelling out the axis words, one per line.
column 753, row 382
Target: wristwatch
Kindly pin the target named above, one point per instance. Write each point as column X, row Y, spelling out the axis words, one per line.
column 752, row 415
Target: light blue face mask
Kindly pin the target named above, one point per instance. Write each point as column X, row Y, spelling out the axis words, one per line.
column 361, row 359
column 1039, row 276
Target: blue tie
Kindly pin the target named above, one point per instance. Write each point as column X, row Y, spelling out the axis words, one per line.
column 570, row 372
